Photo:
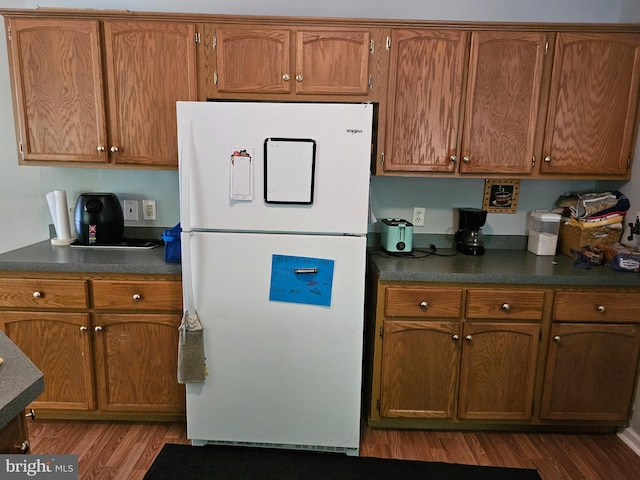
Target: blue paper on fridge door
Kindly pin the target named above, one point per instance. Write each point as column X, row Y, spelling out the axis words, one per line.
column 301, row 280
column 241, row 174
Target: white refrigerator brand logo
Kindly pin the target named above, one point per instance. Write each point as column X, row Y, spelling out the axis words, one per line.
column 61, row 467
column 353, row 131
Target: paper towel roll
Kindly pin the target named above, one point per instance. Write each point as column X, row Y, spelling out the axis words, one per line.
column 59, row 209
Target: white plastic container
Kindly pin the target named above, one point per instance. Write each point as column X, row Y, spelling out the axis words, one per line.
column 543, row 232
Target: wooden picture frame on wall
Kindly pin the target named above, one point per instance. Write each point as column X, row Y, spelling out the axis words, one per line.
column 501, row 196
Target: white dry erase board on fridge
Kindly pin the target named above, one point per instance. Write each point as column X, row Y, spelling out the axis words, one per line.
column 289, row 170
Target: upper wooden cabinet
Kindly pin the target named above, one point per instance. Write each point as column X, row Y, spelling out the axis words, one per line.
column 150, row 66
column 251, row 62
column 529, row 109
column 58, row 89
column 503, row 73
column 501, row 110
column 425, row 90
column 61, row 89
column 591, row 120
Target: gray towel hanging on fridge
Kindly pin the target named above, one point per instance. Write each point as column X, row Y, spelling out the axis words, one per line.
column 191, row 364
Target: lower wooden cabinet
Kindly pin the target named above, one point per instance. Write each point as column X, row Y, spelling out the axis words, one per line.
column 429, row 369
column 136, row 362
column 110, row 355
column 496, row 356
column 59, row 344
column 14, row 437
column 420, row 362
column 591, row 372
column 498, row 370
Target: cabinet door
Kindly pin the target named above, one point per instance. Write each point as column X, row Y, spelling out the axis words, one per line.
column 425, row 89
column 592, row 106
column 503, row 90
column 497, row 370
column 14, row 437
column 137, row 362
column 591, row 372
column 58, row 344
column 419, row 369
column 150, row 66
column 253, row 60
column 58, row 91
column 332, row 62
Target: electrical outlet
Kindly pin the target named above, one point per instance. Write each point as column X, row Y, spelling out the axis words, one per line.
column 149, row 209
column 131, row 210
column 418, row 216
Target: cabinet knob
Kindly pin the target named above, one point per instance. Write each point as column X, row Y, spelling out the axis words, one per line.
column 83, row 328
column 137, row 296
column 424, row 305
column 455, row 337
column 601, row 308
column 466, row 159
column 547, row 159
column 453, row 158
column 468, row 338
column 113, row 149
column 101, row 148
column 506, row 307
column 30, row 414
column 299, row 77
column 98, row 328
column 37, row 294
column 286, row 77
column 556, row 338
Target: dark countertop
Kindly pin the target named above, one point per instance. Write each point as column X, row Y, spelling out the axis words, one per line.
column 44, row 257
column 496, row 266
column 20, row 381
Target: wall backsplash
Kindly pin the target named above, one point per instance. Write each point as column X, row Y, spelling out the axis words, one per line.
column 395, row 197
column 392, row 197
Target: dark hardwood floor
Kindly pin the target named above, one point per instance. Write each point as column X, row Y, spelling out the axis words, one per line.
column 122, row 450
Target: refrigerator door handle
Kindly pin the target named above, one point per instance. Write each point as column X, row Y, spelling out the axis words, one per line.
column 184, row 173
column 305, row 270
column 187, row 274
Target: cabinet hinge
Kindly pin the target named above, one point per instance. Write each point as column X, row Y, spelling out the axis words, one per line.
column 388, row 43
column 382, row 158
column 370, row 82
column 9, row 33
column 21, row 150
column 215, row 78
column 546, row 48
column 378, row 405
column 629, row 162
column 215, row 42
column 371, row 49
column 197, row 37
column 533, row 161
column 381, row 332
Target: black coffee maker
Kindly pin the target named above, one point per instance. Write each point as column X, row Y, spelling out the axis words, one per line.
column 469, row 237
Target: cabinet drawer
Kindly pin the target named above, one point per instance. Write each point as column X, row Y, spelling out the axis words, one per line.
column 42, row 293
column 423, row 302
column 137, row 295
column 496, row 304
column 597, row 306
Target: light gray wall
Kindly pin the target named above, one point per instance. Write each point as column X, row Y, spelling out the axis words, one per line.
column 24, row 215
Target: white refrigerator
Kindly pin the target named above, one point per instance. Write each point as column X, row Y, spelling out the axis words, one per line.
column 274, row 212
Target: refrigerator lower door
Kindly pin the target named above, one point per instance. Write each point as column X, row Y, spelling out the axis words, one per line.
column 280, row 373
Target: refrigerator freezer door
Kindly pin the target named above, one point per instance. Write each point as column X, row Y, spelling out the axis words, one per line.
column 280, row 373
column 209, row 184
